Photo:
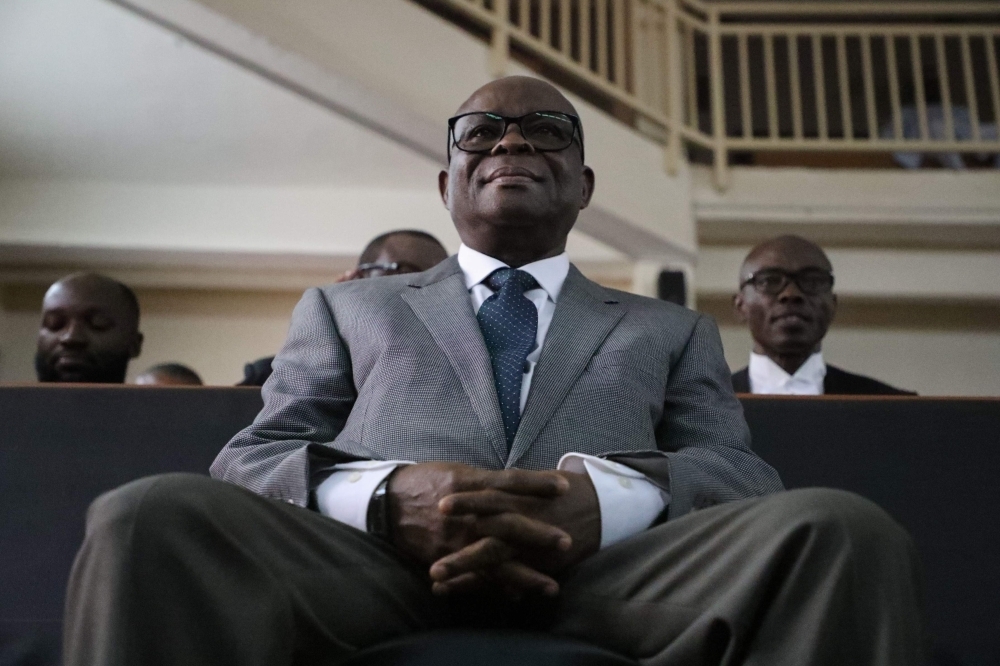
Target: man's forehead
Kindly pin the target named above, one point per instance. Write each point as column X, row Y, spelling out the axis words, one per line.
column 787, row 256
column 82, row 298
column 516, row 96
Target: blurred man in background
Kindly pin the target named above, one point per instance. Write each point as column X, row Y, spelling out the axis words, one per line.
column 786, row 297
column 396, row 253
column 169, row 374
column 89, row 331
column 392, row 253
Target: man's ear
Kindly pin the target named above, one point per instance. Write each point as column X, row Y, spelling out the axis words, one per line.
column 588, row 187
column 135, row 348
column 739, row 308
column 443, row 187
column 833, row 313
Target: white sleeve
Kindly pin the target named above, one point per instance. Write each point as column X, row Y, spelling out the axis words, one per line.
column 629, row 502
column 345, row 494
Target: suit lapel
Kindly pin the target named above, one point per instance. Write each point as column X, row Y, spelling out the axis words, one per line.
column 583, row 318
column 441, row 301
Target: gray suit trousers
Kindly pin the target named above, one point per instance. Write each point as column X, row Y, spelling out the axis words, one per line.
column 182, row 569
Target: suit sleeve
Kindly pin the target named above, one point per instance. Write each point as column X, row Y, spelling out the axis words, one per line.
column 704, row 455
column 307, row 401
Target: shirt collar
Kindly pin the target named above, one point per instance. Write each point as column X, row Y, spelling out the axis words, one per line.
column 766, row 376
column 549, row 273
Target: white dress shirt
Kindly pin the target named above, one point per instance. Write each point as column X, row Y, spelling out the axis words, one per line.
column 628, row 501
column 768, row 377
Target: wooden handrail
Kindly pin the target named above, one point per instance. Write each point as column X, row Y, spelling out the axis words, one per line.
column 836, row 75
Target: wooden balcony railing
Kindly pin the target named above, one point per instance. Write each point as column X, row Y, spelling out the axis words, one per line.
column 763, row 76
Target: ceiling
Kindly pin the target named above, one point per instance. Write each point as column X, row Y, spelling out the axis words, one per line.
column 90, row 91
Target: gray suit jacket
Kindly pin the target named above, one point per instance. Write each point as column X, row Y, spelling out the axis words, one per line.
column 396, row 368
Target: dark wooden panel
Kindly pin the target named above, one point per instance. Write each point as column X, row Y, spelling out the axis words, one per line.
column 62, row 446
column 934, row 465
column 931, row 463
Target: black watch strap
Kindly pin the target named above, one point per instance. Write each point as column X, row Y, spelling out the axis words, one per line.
column 378, row 519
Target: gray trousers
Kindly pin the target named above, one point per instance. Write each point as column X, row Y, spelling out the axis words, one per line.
column 183, row 569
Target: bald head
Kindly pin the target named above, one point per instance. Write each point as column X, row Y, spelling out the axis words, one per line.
column 169, row 374
column 539, row 94
column 411, row 249
column 515, row 201
column 789, row 303
column 89, row 330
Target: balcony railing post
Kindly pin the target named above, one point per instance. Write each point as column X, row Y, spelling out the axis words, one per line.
column 721, row 154
column 675, row 97
column 500, row 41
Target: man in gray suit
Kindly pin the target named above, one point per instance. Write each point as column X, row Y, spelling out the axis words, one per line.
column 495, row 441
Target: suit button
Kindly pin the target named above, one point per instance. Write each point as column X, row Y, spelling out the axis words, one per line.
column 290, row 501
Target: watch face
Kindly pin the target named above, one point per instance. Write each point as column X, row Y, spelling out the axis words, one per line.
column 378, row 511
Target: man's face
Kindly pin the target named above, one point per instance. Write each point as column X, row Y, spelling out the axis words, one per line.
column 790, row 322
column 87, row 334
column 514, row 193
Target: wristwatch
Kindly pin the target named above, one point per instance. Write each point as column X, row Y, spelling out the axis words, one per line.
column 378, row 522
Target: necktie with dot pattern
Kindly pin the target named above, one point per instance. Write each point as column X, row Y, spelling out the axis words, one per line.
column 509, row 322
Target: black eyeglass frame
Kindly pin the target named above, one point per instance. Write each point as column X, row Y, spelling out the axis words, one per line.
column 389, row 268
column 575, row 137
column 789, row 276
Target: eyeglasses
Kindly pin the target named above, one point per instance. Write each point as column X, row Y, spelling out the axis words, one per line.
column 773, row 281
column 546, row 131
column 390, row 268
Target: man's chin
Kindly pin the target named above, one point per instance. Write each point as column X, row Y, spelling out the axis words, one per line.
column 795, row 348
column 82, row 375
column 515, row 202
column 67, row 376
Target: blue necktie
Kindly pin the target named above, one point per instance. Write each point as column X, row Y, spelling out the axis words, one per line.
column 509, row 322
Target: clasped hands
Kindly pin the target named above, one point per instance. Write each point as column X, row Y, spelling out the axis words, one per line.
column 512, row 529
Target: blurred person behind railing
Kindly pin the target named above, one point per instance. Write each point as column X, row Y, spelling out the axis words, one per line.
column 961, row 124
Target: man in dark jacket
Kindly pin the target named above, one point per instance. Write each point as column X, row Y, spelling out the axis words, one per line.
column 786, row 297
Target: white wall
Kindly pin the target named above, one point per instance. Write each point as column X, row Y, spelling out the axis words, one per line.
column 428, row 66
column 212, row 218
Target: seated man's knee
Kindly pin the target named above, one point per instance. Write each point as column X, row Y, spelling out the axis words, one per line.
column 116, row 513
column 841, row 517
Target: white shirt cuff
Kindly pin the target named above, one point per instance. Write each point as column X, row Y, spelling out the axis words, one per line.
column 629, row 502
column 345, row 494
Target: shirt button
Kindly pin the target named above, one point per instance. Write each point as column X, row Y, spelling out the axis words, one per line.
column 624, row 482
column 354, row 477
